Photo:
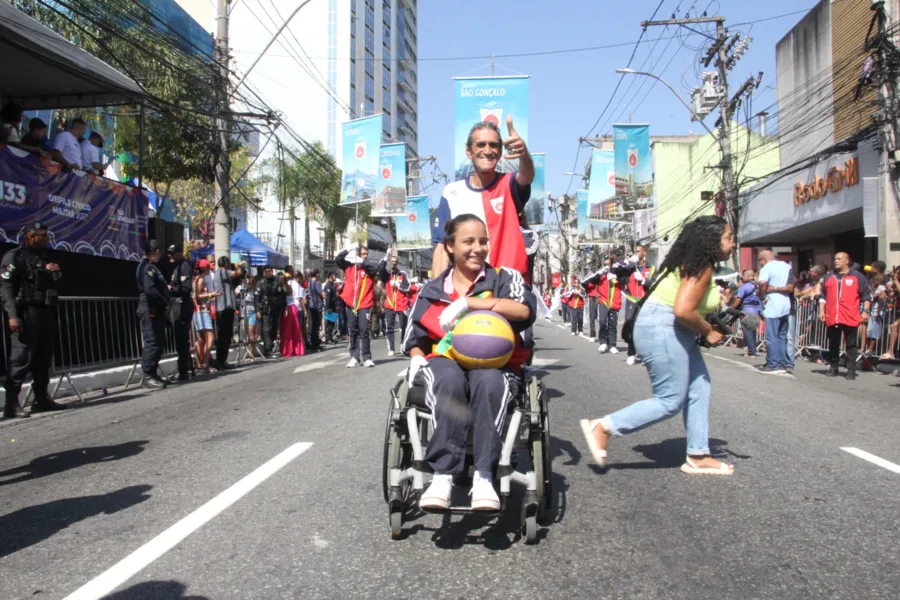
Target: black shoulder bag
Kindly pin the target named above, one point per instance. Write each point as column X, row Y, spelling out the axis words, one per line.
column 628, row 326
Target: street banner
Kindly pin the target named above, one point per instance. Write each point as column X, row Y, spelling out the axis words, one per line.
column 491, row 99
column 83, row 213
column 555, row 280
column 537, row 205
column 390, row 191
column 592, row 231
column 634, row 168
column 360, row 157
column 602, row 202
column 414, row 228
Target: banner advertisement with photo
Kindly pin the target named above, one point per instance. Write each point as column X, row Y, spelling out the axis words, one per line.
column 83, row 213
column 390, row 192
column 634, row 166
column 491, row 99
column 593, row 231
column 602, row 201
column 414, row 228
column 360, row 159
column 537, row 205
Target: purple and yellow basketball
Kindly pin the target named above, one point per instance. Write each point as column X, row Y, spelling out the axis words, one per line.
column 482, row 340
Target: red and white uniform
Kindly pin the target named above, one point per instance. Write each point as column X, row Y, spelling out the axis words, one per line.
column 842, row 296
column 396, row 292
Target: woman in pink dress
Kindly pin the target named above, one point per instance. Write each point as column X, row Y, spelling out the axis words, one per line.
column 291, row 337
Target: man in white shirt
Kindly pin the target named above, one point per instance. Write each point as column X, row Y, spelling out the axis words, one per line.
column 774, row 293
column 90, row 154
column 68, row 145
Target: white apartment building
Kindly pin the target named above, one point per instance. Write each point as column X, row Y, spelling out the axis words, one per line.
column 337, row 60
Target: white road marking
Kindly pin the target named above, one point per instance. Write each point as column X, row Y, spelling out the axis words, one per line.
column 171, row 537
column 543, row 362
column 562, row 326
column 875, row 460
column 742, row 364
column 312, row 366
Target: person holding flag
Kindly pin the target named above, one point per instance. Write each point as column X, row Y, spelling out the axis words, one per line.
column 396, row 302
column 359, row 296
column 636, row 288
column 575, row 300
column 495, row 198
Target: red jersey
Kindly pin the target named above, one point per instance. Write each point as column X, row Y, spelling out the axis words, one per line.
column 610, row 292
column 396, row 292
column 842, row 296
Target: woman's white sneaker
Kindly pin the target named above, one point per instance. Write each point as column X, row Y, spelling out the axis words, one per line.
column 484, row 496
column 437, row 496
column 613, row 350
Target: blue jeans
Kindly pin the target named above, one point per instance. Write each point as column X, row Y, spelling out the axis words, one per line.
column 678, row 375
column 791, row 342
column 776, row 342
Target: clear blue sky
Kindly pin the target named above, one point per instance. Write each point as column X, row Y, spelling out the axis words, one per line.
column 569, row 90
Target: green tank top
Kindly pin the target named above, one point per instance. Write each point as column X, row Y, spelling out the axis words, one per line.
column 667, row 289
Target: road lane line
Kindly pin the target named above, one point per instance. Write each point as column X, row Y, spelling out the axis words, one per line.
column 171, row 537
column 313, row 366
column 875, row 460
column 562, row 326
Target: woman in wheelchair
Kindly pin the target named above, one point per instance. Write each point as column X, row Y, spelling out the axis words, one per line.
column 458, row 399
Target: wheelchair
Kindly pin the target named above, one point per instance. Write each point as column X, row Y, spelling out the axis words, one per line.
column 526, row 430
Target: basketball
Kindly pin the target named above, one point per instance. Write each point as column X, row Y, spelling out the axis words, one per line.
column 482, row 340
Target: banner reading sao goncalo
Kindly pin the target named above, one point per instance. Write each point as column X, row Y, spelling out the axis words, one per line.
column 390, row 191
column 414, row 228
column 602, row 202
column 537, row 205
column 490, row 99
column 634, row 167
column 361, row 141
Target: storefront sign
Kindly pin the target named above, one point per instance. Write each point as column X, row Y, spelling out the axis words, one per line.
column 834, row 181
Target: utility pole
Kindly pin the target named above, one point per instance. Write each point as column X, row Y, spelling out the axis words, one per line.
column 729, row 191
column 222, row 234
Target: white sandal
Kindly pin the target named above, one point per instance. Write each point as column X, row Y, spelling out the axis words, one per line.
column 691, row 468
column 587, row 428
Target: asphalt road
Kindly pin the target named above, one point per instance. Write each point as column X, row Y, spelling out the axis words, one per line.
column 265, row 483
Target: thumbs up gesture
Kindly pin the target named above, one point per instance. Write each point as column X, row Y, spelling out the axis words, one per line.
column 515, row 145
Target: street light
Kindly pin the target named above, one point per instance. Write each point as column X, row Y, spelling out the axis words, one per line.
column 677, row 95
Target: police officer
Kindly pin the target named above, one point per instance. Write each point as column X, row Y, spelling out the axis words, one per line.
column 28, row 287
column 272, row 301
column 152, row 309
column 182, row 308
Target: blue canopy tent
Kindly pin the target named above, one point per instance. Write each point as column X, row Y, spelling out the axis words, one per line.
column 245, row 243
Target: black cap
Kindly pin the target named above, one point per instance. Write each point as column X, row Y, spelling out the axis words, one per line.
column 35, row 226
column 174, row 248
column 100, row 137
column 152, row 246
column 36, row 123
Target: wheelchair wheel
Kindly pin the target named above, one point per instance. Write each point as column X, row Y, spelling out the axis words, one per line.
column 397, row 454
column 540, row 449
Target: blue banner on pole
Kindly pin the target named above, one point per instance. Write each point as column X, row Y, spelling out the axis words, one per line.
column 490, row 99
column 602, row 202
column 414, row 228
column 390, row 198
column 592, row 231
column 83, row 213
column 361, row 141
column 537, row 205
column 634, row 167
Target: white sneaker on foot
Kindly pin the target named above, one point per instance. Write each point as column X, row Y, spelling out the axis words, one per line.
column 353, row 363
column 602, row 348
column 437, row 496
column 594, row 339
column 484, row 496
column 369, row 363
column 390, row 352
column 573, row 333
column 613, row 350
column 630, row 360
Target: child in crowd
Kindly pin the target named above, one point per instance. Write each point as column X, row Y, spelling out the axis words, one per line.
column 876, row 319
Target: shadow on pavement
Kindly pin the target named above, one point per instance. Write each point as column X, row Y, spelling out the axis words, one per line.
column 154, row 590
column 51, row 464
column 34, row 524
column 670, row 454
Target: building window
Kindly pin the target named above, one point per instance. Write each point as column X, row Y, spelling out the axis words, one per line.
column 385, row 75
column 370, row 15
column 369, row 108
column 353, row 105
column 386, row 13
column 370, row 39
column 386, row 95
column 387, row 124
column 370, row 85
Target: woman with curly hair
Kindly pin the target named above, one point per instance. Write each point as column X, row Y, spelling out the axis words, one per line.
column 665, row 334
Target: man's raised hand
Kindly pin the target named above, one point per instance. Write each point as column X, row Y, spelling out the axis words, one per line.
column 515, row 146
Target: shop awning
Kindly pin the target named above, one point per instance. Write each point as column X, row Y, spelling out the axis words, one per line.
column 44, row 70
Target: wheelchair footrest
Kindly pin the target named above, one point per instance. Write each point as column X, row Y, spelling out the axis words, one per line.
column 463, row 510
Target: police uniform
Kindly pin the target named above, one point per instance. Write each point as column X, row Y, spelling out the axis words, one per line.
column 29, row 294
column 181, row 286
column 155, row 298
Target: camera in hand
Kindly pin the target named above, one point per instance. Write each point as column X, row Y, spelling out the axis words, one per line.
column 722, row 320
